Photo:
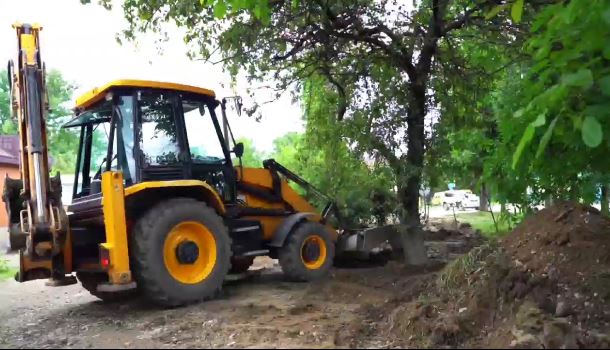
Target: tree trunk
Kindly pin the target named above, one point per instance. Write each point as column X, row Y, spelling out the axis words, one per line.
column 604, row 201
column 413, row 239
column 483, row 203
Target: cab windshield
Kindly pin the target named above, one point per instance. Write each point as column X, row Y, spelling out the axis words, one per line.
column 96, row 137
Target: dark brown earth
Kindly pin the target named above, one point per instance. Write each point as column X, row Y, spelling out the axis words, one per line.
column 546, row 285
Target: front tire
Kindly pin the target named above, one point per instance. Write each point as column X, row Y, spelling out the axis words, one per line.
column 181, row 252
column 308, row 253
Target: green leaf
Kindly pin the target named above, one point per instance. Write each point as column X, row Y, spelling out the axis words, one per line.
column 220, row 9
column 591, row 132
column 527, row 137
column 494, row 12
column 258, row 11
column 517, row 11
column 606, row 16
column 599, row 111
column 542, row 52
column 604, row 85
column 582, row 78
column 607, row 52
column 519, row 113
column 540, row 121
column 546, row 138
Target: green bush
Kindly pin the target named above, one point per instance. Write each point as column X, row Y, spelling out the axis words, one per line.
column 6, row 271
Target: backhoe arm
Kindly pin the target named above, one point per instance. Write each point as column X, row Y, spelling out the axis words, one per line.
column 34, row 206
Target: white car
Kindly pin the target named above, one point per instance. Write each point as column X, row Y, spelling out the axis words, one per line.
column 471, row 201
column 460, row 199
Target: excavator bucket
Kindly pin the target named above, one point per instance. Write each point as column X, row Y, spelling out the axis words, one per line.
column 14, row 203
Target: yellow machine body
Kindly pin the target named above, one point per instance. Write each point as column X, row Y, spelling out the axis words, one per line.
column 258, row 208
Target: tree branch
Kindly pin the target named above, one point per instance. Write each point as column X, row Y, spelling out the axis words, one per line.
column 342, row 108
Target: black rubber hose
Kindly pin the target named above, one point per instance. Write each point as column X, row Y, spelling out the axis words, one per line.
column 9, row 73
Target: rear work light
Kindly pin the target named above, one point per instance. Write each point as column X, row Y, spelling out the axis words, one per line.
column 104, row 258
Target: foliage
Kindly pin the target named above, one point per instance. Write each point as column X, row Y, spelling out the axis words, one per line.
column 465, row 140
column 6, row 271
column 252, row 157
column 552, row 113
column 63, row 143
column 484, row 222
column 509, row 95
column 568, row 84
column 220, row 8
column 535, row 121
column 323, row 156
column 342, row 176
column 378, row 57
column 7, row 126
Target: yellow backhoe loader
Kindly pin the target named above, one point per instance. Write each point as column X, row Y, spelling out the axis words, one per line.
column 158, row 205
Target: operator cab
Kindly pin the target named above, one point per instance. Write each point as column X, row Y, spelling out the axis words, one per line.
column 150, row 131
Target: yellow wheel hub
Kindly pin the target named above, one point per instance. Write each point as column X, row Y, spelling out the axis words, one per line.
column 189, row 252
column 313, row 252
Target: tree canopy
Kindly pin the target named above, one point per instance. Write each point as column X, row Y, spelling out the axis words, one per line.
column 377, row 57
column 508, row 97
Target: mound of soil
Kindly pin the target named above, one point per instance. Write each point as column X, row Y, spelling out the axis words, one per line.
column 546, row 285
column 444, row 241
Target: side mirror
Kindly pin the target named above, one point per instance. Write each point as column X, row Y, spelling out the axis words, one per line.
column 239, row 150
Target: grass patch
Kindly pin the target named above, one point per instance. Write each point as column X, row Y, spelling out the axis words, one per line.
column 460, row 272
column 6, row 271
column 484, row 222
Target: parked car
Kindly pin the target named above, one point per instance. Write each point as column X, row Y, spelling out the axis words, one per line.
column 459, row 199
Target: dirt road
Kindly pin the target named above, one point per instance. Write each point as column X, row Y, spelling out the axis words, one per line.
column 263, row 311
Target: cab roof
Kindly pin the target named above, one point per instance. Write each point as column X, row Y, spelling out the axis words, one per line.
column 97, row 94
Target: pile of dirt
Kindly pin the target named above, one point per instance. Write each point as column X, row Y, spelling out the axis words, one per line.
column 446, row 241
column 547, row 284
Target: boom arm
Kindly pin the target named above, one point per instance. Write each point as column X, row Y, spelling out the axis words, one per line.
column 39, row 216
column 331, row 206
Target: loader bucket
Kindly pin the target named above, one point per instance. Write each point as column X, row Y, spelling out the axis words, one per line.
column 366, row 247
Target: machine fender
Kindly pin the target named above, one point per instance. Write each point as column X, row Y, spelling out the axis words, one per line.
column 284, row 229
column 188, row 188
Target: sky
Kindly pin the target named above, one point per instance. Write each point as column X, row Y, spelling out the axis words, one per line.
column 79, row 40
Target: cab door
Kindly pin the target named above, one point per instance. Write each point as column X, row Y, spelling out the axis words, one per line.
column 162, row 150
column 209, row 157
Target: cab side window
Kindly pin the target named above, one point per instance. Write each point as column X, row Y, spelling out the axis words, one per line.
column 204, row 144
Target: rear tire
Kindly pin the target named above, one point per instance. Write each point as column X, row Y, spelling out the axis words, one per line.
column 308, row 253
column 16, row 239
column 168, row 275
column 90, row 281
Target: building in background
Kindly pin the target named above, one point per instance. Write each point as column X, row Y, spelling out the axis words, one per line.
column 9, row 165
